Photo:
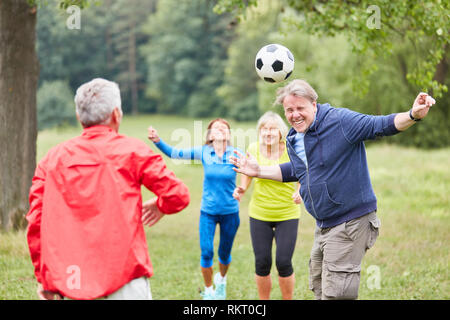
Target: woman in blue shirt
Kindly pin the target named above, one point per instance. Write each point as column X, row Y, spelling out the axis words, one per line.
column 218, row 205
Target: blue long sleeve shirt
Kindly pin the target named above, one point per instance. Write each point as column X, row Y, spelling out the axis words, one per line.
column 219, row 179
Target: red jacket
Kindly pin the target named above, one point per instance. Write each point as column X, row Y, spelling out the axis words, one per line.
column 85, row 234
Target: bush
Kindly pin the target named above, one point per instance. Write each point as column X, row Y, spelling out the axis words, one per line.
column 55, row 105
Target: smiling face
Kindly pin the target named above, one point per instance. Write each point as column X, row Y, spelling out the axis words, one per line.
column 219, row 131
column 299, row 112
column 269, row 134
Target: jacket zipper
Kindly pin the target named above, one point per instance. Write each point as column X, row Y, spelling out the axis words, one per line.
column 307, row 174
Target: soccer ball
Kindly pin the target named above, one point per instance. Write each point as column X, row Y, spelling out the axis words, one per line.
column 274, row 63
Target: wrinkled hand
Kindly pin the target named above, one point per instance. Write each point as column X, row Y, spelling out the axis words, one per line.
column 153, row 134
column 150, row 212
column 422, row 105
column 238, row 193
column 296, row 197
column 246, row 165
column 47, row 295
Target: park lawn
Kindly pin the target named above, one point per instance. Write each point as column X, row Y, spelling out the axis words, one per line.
column 410, row 258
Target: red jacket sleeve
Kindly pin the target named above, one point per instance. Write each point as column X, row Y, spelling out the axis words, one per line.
column 34, row 218
column 173, row 194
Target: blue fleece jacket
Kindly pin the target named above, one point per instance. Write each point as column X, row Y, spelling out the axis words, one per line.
column 335, row 186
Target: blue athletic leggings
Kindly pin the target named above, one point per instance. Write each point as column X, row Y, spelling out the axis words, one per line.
column 229, row 224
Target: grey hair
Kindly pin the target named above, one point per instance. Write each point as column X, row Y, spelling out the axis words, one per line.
column 272, row 116
column 298, row 88
column 96, row 100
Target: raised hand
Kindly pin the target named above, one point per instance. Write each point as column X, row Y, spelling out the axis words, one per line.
column 245, row 164
column 422, row 105
column 153, row 134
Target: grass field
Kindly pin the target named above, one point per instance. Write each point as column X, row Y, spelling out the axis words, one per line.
column 411, row 254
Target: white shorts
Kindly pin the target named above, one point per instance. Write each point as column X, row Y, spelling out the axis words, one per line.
column 137, row 289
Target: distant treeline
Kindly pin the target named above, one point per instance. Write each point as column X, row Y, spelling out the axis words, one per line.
column 180, row 57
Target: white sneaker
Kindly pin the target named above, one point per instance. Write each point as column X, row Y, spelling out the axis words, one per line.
column 208, row 294
column 221, row 287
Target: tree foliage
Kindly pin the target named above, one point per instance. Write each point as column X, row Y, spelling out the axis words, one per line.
column 185, row 56
column 105, row 46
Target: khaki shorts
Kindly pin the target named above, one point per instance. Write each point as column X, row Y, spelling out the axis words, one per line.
column 335, row 263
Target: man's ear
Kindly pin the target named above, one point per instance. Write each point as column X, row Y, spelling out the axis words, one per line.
column 78, row 118
column 117, row 115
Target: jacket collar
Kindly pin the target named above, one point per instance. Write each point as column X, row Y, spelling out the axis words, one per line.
column 97, row 129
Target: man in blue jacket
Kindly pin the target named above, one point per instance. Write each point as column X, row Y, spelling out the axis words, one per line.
column 328, row 158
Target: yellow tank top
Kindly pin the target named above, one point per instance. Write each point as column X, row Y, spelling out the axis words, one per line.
column 272, row 200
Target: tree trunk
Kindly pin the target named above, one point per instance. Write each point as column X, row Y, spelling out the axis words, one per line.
column 132, row 67
column 442, row 67
column 19, row 71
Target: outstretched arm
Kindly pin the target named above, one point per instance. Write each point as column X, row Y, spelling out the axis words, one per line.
column 249, row 166
column 358, row 127
column 174, row 153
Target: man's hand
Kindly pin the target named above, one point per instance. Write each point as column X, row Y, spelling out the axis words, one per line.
column 238, row 193
column 419, row 110
column 422, row 105
column 245, row 165
column 150, row 212
column 153, row 134
column 47, row 295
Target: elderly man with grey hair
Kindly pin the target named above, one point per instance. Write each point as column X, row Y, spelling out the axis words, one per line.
column 328, row 158
column 86, row 220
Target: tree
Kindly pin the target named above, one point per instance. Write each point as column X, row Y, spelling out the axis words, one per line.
column 188, row 43
column 19, row 70
column 18, row 78
column 125, row 36
column 106, row 45
column 74, row 55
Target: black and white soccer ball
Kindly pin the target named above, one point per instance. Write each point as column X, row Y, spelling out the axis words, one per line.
column 274, row 63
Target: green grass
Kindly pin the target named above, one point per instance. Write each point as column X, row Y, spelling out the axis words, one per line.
column 411, row 253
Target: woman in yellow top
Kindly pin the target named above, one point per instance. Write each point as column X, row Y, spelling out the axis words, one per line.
column 273, row 209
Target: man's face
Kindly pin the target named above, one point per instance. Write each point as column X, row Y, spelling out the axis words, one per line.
column 299, row 112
